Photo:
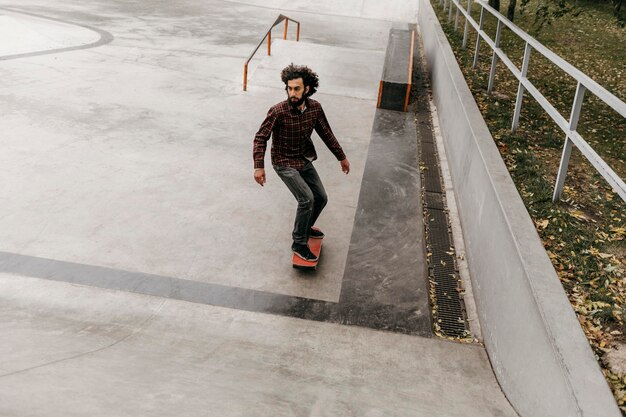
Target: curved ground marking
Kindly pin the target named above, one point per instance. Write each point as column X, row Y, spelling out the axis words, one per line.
column 105, row 37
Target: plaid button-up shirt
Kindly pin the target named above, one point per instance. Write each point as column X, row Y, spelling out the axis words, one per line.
column 291, row 129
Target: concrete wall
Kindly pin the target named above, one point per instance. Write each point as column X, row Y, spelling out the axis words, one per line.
column 537, row 348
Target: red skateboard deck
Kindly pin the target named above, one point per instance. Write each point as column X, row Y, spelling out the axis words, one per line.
column 315, row 245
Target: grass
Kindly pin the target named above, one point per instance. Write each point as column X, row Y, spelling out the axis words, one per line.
column 585, row 233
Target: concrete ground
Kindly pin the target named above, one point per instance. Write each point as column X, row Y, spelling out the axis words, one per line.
column 126, row 157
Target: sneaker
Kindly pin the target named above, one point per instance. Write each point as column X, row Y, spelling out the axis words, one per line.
column 303, row 252
column 316, row 233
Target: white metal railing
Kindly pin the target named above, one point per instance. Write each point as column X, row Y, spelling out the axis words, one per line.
column 568, row 126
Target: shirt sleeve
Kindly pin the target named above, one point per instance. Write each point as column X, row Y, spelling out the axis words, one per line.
column 323, row 129
column 261, row 138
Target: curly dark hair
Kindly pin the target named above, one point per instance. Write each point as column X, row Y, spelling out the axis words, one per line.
column 310, row 78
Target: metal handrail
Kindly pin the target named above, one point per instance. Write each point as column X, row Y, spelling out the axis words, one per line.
column 568, row 126
column 268, row 35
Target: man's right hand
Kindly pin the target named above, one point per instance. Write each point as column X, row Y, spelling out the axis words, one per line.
column 259, row 176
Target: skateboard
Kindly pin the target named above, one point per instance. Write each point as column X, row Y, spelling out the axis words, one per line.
column 315, row 245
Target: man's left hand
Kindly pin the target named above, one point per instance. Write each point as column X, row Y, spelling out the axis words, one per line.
column 345, row 166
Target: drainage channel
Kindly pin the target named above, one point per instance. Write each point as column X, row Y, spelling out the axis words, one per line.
column 449, row 316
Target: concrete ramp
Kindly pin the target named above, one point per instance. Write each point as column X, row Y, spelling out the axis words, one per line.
column 77, row 351
column 345, row 72
column 393, row 11
column 144, row 272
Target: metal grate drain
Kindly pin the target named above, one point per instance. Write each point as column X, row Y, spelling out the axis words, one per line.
column 433, row 200
column 445, row 285
column 448, row 307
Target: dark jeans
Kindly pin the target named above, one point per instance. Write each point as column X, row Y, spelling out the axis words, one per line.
column 307, row 188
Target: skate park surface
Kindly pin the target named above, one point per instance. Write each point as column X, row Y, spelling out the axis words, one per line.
column 128, row 192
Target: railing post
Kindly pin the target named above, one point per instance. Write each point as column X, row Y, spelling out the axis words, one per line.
column 467, row 18
column 450, row 11
column 456, row 19
column 494, row 58
column 269, row 43
column 286, row 27
column 567, row 146
column 298, row 32
column 245, row 77
column 480, row 28
column 521, row 89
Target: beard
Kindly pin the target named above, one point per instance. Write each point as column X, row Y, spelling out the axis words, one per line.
column 296, row 103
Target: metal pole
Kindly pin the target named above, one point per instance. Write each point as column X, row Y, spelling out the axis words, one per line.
column 245, row 77
column 450, row 11
column 521, row 89
column 269, row 42
column 456, row 19
column 298, row 33
column 286, row 26
column 494, row 58
column 567, row 147
column 467, row 19
column 480, row 28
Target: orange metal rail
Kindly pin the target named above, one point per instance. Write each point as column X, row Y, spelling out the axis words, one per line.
column 268, row 35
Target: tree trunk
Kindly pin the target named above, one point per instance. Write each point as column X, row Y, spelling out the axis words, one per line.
column 510, row 13
column 495, row 4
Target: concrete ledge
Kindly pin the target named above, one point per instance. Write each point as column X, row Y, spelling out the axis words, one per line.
column 386, row 276
column 395, row 85
column 538, row 351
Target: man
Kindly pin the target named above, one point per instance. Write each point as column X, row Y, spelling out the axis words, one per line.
column 291, row 123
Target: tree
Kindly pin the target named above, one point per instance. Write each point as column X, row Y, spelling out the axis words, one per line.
column 496, row 4
column 551, row 10
column 510, row 13
column 618, row 12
